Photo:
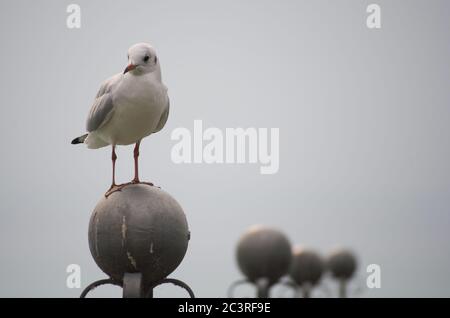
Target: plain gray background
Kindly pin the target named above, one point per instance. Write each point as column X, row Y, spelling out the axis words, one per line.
column 363, row 117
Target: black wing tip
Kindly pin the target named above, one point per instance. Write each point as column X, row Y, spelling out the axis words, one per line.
column 79, row 140
column 75, row 141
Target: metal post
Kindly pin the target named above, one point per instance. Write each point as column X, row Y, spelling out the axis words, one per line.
column 128, row 234
column 264, row 256
column 306, row 291
column 132, row 285
column 343, row 288
column 342, row 265
column 262, row 287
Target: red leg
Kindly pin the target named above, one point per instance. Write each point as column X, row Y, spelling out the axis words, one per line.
column 136, row 163
column 113, row 158
column 114, row 187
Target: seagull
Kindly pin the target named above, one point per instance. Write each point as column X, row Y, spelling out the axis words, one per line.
column 128, row 107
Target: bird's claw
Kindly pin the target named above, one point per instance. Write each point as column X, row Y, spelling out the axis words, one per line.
column 114, row 188
column 147, row 183
column 119, row 187
column 137, row 181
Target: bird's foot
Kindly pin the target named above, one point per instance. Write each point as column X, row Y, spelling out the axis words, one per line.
column 137, row 181
column 119, row 187
column 114, row 188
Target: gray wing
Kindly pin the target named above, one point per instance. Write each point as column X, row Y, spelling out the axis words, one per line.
column 102, row 109
column 164, row 116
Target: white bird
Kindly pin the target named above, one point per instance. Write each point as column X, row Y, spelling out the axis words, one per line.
column 128, row 107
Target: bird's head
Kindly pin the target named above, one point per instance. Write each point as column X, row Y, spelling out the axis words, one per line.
column 141, row 59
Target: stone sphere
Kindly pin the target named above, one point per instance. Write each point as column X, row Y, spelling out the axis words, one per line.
column 342, row 264
column 264, row 253
column 138, row 229
column 307, row 266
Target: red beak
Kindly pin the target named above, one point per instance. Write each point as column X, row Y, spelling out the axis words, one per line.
column 129, row 68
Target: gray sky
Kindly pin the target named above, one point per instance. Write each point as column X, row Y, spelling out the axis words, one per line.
column 363, row 117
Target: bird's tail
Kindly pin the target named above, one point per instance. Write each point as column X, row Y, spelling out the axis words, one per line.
column 79, row 140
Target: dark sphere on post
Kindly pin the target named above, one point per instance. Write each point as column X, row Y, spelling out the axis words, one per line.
column 264, row 253
column 138, row 229
column 342, row 264
column 307, row 267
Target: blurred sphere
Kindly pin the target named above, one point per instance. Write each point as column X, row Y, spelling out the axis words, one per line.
column 264, row 253
column 342, row 264
column 138, row 229
column 306, row 267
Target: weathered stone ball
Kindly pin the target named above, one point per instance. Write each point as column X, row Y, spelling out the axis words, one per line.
column 264, row 253
column 342, row 264
column 307, row 266
column 138, row 229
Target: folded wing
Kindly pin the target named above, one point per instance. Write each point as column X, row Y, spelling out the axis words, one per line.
column 103, row 107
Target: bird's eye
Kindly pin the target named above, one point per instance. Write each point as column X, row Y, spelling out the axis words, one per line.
column 156, row 60
column 146, row 58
